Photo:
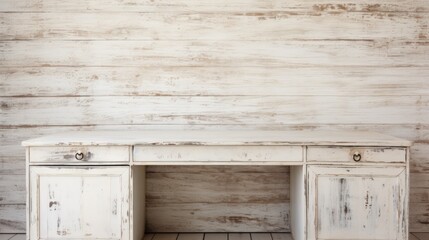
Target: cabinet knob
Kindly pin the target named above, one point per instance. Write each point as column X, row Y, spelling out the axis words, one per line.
column 79, row 156
column 357, row 156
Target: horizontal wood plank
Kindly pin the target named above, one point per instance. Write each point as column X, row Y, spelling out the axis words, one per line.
column 281, row 236
column 217, row 187
column 239, row 236
column 165, row 236
column 213, row 110
column 419, row 180
column 12, row 189
column 260, row 236
column 422, row 235
column 239, row 81
column 18, row 237
column 419, row 195
column 12, row 218
column 6, row 236
column 214, row 53
column 217, row 169
column 216, row 236
column 223, row 217
column 207, row 5
column 419, row 218
column 190, row 236
column 214, row 26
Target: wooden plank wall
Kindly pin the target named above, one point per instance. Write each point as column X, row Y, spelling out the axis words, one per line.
column 203, row 64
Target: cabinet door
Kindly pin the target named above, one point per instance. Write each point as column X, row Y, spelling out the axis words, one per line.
column 79, row 202
column 359, row 203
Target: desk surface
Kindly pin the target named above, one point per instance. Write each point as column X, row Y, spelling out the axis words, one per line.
column 211, row 137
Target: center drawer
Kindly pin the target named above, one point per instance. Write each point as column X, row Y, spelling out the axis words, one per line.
column 180, row 153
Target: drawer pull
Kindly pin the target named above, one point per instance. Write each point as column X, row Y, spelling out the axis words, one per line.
column 357, row 156
column 79, row 156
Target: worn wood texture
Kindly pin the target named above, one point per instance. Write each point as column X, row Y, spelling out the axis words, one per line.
column 191, row 81
column 95, row 204
column 207, row 5
column 219, row 195
column 276, row 25
column 155, row 53
column 213, row 110
column 357, row 201
column 296, row 64
column 219, row 217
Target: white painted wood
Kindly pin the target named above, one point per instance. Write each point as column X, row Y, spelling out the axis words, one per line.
column 345, row 154
column 218, row 153
column 260, row 236
column 219, row 81
column 216, row 236
column 190, row 236
column 217, row 217
column 319, row 6
column 212, row 138
column 239, row 236
column 79, row 202
column 213, row 110
column 264, row 25
column 281, row 236
column 214, row 53
column 345, row 202
column 91, row 154
column 165, row 236
column 298, row 203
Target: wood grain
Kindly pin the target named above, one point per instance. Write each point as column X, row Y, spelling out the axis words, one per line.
column 12, row 188
column 12, row 218
column 213, row 110
column 216, row 236
column 239, row 236
column 217, row 187
column 190, row 236
column 225, row 81
column 207, row 5
column 292, row 53
column 237, row 49
column 214, row 26
column 223, row 217
column 419, row 218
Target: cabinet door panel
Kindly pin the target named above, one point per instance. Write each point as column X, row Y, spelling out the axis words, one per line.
column 79, row 203
column 356, row 203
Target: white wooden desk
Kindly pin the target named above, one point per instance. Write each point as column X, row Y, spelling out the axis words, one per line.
column 344, row 185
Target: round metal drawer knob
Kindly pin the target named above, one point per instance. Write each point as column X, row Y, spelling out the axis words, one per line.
column 79, row 156
column 357, row 156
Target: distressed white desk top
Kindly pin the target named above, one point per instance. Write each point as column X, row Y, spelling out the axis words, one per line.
column 210, row 137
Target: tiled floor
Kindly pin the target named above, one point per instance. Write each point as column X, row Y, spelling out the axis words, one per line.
column 215, row 236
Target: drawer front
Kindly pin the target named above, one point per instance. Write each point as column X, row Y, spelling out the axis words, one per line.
column 218, row 154
column 80, row 154
column 356, row 154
